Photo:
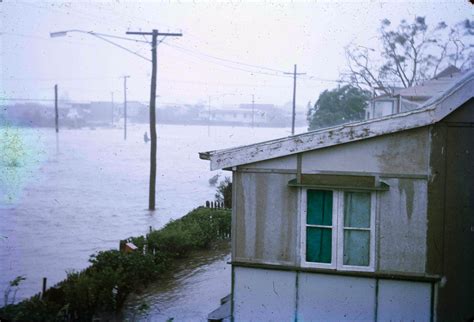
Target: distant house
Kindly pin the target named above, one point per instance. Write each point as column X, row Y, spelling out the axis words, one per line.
column 101, row 113
column 369, row 221
column 407, row 99
column 234, row 116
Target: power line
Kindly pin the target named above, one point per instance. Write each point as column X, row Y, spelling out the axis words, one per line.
column 198, row 54
column 230, row 66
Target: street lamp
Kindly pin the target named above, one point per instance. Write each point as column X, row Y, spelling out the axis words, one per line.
column 154, row 43
column 104, row 37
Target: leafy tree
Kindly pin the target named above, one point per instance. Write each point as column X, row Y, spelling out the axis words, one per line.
column 411, row 52
column 224, row 192
column 337, row 106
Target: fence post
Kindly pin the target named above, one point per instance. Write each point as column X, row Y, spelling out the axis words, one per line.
column 44, row 287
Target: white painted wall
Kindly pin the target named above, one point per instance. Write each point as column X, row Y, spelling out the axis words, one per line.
column 264, row 295
column 271, row 295
column 335, row 298
column 404, row 301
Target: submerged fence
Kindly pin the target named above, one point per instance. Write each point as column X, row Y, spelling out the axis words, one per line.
column 214, row 205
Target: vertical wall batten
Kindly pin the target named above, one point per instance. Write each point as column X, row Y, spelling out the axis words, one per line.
column 432, row 302
column 299, row 161
column 232, row 292
column 376, row 306
column 297, row 293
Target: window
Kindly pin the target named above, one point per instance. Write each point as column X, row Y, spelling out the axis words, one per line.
column 383, row 108
column 338, row 229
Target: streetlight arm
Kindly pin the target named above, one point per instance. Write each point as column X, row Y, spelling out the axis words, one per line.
column 102, row 37
column 119, row 46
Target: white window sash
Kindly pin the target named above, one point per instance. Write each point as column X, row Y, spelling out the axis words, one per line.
column 340, row 249
column 337, row 230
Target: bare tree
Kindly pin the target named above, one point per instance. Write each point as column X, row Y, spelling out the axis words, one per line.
column 411, row 53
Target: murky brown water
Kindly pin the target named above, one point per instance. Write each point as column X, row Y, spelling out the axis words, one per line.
column 189, row 292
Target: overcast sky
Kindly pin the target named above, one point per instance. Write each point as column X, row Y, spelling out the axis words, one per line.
column 212, row 60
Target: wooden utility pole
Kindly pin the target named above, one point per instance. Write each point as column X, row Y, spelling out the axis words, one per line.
column 56, row 118
column 209, row 119
column 253, row 109
column 125, row 106
column 113, row 107
column 43, row 289
column 154, row 43
column 294, row 99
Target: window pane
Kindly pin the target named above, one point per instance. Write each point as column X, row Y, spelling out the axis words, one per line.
column 319, row 207
column 318, row 244
column 383, row 108
column 357, row 209
column 356, row 247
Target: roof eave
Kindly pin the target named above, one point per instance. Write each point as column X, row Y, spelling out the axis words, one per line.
column 431, row 112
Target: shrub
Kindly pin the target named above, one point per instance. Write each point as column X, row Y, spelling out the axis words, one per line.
column 113, row 275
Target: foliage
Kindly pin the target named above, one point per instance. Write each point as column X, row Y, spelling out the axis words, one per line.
column 411, row 52
column 224, row 193
column 337, row 106
column 13, row 286
column 113, row 275
column 196, row 230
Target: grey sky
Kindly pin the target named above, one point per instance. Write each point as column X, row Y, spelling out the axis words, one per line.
column 271, row 34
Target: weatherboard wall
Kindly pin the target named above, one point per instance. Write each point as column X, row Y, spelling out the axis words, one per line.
column 266, row 213
column 265, row 218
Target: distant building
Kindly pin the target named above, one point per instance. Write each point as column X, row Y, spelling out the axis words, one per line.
column 236, row 116
column 367, row 221
column 101, row 113
column 407, row 99
column 33, row 114
column 261, row 107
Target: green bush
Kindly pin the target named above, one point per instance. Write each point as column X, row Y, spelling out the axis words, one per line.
column 113, row 275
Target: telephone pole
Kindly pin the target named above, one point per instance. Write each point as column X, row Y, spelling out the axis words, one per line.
column 56, row 113
column 209, row 118
column 112, row 96
column 294, row 99
column 154, row 43
column 253, row 109
column 125, row 107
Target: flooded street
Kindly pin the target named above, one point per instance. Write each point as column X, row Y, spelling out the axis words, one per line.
column 69, row 198
column 189, row 293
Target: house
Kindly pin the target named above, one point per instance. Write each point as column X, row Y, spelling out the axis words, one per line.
column 369, row 221
column 233, row 116
column 407, row 99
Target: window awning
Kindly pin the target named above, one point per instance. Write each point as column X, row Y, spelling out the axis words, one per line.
column 340, row 182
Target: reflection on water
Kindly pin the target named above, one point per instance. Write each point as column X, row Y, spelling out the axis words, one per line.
column 196, row 284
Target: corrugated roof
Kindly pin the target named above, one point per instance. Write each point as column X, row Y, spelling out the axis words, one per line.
column 432, row 111
column 430, row 87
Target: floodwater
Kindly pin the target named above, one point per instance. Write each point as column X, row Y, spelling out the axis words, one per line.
column 65, row 197
column 189, row 293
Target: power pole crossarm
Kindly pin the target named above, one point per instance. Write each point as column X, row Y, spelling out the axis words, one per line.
column 140, row 33
column 154, row 43
column 294, row 99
